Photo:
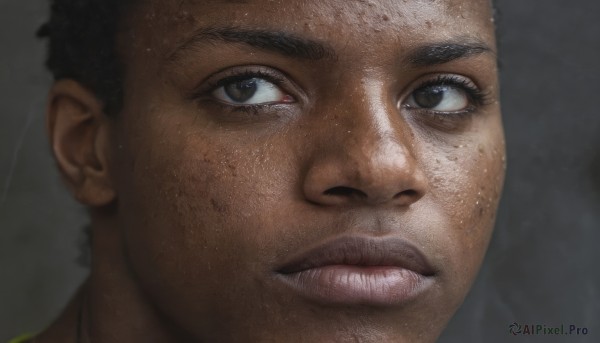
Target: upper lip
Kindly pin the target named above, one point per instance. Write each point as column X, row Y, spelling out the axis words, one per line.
column 361, row 251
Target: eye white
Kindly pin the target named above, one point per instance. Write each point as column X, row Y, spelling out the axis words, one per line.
column 442, row 98
column 263, row 92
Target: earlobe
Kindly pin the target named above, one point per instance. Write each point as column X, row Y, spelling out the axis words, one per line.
column 79, row 137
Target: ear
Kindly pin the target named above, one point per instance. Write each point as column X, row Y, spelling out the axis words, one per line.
column 79, row 134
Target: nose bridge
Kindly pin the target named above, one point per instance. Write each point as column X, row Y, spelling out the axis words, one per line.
column 369, row 104
column 377, row 141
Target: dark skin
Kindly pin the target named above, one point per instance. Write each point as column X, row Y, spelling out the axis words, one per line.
column 196, row 198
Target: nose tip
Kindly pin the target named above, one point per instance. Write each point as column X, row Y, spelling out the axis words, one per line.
column 378, row 180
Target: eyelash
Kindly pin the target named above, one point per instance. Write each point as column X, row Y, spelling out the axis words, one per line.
column 477, row 96
column 236, row 76
column 244, row 75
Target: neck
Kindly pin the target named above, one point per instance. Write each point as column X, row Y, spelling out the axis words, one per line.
column 113, row 307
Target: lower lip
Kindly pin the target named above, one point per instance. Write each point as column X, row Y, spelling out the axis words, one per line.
column 358, row 285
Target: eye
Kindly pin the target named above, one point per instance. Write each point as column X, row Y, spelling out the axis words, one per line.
column 250, row 91
column 440, row 98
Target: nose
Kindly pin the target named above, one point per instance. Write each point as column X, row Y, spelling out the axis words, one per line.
column 367, row 161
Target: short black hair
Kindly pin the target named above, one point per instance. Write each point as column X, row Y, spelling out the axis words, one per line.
column 82, row 38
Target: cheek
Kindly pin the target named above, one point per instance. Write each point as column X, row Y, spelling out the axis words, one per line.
column 466, row 181
column 175, row 203
column 189, row 200
column 195, row 218
column 468, row 185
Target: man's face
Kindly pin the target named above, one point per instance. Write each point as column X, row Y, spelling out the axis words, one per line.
column 308, row 170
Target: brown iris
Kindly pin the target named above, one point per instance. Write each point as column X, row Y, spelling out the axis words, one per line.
column 241, row 91
column 429, row 97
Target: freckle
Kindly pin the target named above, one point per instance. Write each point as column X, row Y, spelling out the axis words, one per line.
column 217, row 207
column 429, row 25
column 385, row 17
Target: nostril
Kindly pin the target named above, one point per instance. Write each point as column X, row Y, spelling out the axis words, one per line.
column 347, row 192
column 409, row 193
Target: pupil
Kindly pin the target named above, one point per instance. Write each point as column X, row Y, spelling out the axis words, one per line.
column 429, row 97
column 241, row 91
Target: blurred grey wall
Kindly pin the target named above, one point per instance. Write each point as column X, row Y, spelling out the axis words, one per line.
column 542, row 267
column 39, row 223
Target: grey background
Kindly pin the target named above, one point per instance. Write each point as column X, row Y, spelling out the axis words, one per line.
column 542, row 267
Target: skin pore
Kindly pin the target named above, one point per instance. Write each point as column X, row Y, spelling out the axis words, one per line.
column 254, row 130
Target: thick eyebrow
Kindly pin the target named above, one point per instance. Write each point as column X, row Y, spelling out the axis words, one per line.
column 446, row 52
column 283, row 43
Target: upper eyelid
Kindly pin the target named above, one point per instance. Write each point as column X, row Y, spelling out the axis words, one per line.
column 468, row 84
column 477, row 94
column 217, row 81
column 269, row 73
column 287, row 85
column 244, row 76
column 448, row 79
column 273, row 75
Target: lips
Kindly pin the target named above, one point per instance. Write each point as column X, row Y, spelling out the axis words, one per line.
column 359, row 271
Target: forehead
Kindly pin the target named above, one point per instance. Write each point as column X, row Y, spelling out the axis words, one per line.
column 358, row 9
column 368, row 23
